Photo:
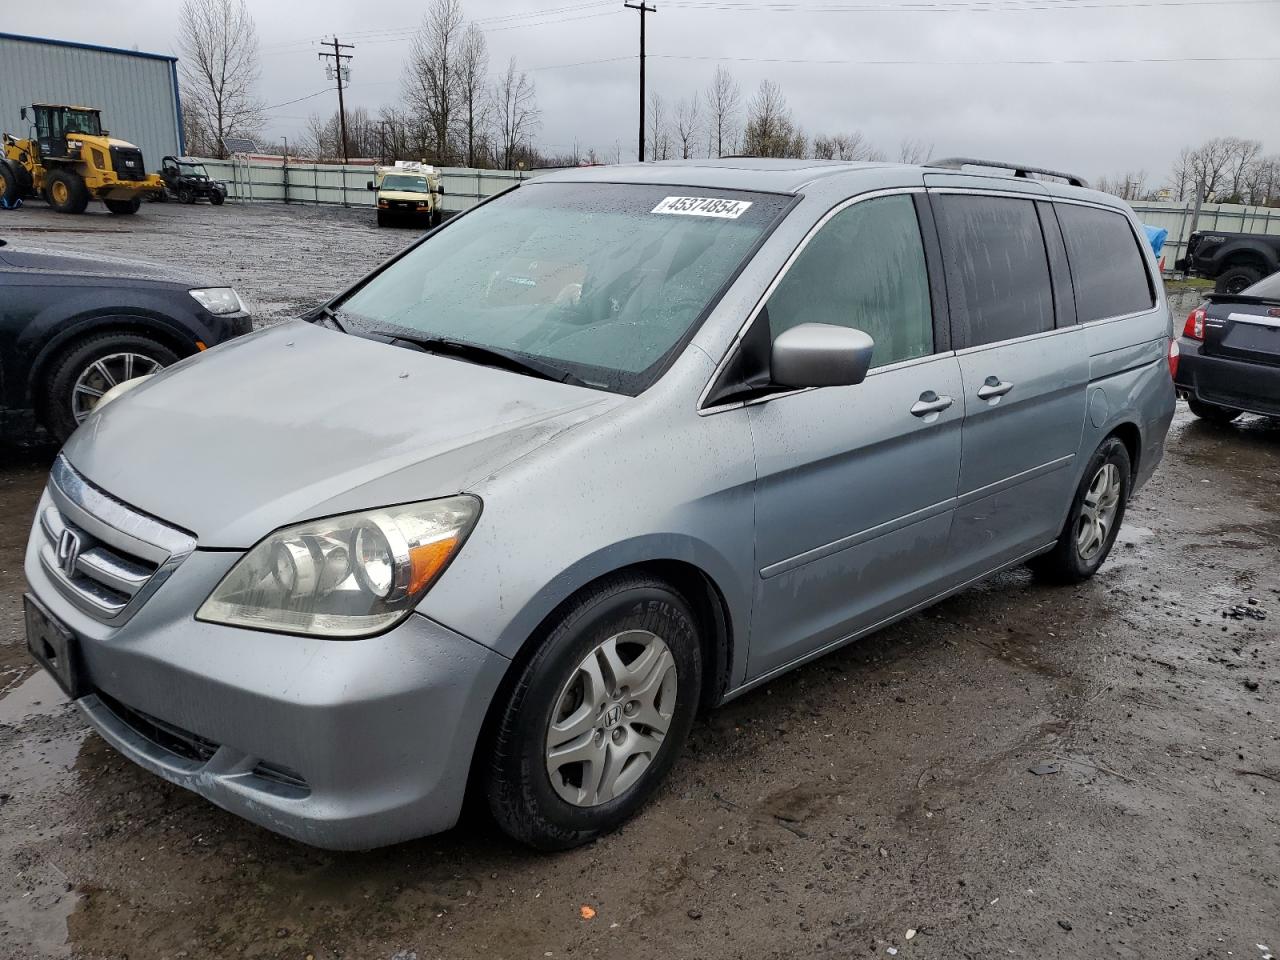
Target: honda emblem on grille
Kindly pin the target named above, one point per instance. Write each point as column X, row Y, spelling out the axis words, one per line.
column 68, row 551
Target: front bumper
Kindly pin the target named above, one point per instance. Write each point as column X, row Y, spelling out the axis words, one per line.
column 1238, row 384
column 339, row 744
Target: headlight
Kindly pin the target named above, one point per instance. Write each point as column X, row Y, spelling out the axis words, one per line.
column 219, row 300
column 348, row 576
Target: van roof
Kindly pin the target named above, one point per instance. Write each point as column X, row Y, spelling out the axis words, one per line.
column 792, row 176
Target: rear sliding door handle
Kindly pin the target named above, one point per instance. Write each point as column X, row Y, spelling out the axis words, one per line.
column 930, row 403
column 994, row 387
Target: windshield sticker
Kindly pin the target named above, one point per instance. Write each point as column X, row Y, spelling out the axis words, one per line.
column 702, row 207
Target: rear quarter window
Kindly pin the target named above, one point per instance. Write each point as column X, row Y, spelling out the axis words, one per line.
column 1107, row 266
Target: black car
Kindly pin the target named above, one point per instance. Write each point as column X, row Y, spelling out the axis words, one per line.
column 1229, row 354
column 187, row 179
column 73, row 326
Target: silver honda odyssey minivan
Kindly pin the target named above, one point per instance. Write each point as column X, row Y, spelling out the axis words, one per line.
column 614, row 447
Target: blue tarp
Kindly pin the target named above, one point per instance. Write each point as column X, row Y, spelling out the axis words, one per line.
column 1156, row 236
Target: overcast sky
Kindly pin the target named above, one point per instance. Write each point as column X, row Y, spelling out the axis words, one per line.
column 949, row 79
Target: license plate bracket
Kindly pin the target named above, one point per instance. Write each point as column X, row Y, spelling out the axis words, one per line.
column 54, row 647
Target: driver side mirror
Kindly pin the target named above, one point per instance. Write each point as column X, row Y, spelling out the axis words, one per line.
column 820, row 355
column 23, row 113
column 368, row 185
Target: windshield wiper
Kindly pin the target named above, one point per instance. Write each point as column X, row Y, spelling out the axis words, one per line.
column 328, row 313
column 486, row 356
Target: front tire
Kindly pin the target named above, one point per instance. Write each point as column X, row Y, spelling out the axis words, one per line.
column 1096, row 514
column 217, row 199
column 91, row 368
column 1212, row 412
column 124, row 207
column 66, row 192
column 598, row 716
column 1235, row 279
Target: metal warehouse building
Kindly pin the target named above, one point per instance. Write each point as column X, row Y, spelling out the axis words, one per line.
column 137, row 92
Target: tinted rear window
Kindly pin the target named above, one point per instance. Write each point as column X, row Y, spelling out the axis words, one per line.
column 1106, row 263
column 997, row 269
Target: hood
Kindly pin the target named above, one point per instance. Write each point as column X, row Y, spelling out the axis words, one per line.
column 297, row 421
column 73, row 265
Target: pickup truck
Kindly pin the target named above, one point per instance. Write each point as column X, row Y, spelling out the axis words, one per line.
column 1233, row 260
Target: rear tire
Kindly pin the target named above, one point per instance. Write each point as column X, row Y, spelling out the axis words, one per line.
column 1096, row 514
column 1212, row 412
column 59, row 406
column 537, row 792
column 186, row 195
column 1235, row 279
column 124, row 207
column 66, row 192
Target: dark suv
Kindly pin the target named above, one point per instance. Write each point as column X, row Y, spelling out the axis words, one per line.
column 74, row 326
column 188, row 180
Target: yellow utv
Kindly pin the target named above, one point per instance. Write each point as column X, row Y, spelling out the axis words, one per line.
column 69, row 160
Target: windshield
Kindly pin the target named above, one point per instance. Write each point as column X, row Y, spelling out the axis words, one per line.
column 400, row 181
column 81, row 121
column 193, row 169
column 602, row 280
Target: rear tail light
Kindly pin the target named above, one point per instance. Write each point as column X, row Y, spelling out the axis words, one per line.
column 1174, row 352
column 1195, row 324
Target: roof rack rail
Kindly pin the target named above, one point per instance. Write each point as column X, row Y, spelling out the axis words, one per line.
column 1019, row 170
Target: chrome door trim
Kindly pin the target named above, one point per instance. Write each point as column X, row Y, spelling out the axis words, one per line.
column 892, row 618
column 704, row 411
column 854, row 539
column 1013, row 481
column 995, row 345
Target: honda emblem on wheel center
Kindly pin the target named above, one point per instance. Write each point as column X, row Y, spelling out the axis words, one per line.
column 612, row 716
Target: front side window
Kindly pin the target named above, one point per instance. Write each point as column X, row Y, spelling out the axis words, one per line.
column 997, row 268
column 601, row 280
column 1106, row 263
column 864, row 269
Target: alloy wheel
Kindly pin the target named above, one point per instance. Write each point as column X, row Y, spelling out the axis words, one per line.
column 103, row 374
column 611, row 718
column 1098, row 512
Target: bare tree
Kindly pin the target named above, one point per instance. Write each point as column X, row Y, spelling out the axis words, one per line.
column 516, row 106
column 914, row 151
column 771, row 131
column 845, row 146
column 219, row 65
column 688, row 112
column 724, row 100
column 1244, row 155
column 472, row 71
column 431, row 80
column 1131, row 185
column 659, row 136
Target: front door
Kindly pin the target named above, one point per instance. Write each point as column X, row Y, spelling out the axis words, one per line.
column 856, row 485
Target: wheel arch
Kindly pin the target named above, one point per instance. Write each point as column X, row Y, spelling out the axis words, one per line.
column 1130, row 435
column 49, row 354
column 694, row 584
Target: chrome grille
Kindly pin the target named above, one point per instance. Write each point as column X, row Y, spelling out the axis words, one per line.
column 105, row 557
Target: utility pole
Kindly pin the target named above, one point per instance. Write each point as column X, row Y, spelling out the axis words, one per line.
column 339, row 68
column 643, row 8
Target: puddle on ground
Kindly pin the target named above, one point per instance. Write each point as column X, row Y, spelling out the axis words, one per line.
column 38, row 695
column 36, row 917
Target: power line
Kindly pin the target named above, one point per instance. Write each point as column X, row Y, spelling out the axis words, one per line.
column 949, row 6
column 961, row 63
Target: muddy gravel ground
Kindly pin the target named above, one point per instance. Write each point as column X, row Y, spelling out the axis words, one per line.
column 878, row 802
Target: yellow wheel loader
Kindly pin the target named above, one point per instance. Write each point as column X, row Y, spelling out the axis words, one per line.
column 69, row 160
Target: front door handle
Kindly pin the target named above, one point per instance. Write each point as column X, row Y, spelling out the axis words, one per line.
column 930, row 403
column 994, row 387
